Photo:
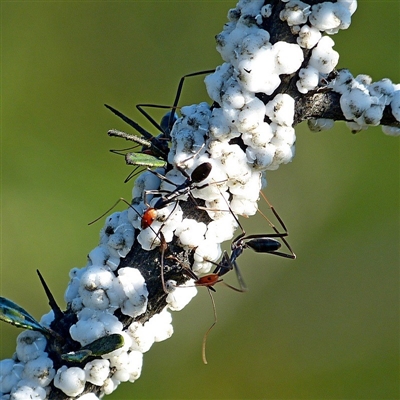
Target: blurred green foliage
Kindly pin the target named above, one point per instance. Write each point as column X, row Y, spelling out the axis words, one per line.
column 322, row 327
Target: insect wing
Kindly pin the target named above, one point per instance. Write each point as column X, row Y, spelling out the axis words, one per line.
column 98, row 348
column 13, row 314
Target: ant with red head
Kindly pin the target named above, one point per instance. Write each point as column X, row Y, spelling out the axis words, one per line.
column 158, row 240
column 198, row 175
column 260, row 243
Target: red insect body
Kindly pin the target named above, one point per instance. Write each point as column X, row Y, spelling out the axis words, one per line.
column 148, row 217
column 208, row 280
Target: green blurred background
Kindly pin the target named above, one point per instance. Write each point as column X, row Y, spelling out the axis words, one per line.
column 325, row 326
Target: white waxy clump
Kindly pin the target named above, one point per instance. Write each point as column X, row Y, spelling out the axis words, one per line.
column 251, row 115
column 127, row 365
column 161, row 325
column 30, row 345
column 75, row 276
column 219, row 125
column 258, row 137
column 97, row 371
column 156, row 329
column 110, row 385
column 266, row 10
column 11, row 374
column 221, row 229
column 148, row 238
column 372, row 116
column 170, row 216
column 47, row 319
column 383, row 90
column 191, row 232
column 261, row 157
column 289, row 57
column 98, row 256
column 40, row 370
column 351, row 5
column 295, row 12
column 330, row 17
column 354, row 103
column 308, row 36
column 174, row 178
column 309, row 79
column 70, row 380
column 320, row 124
column 189, row 135
column 260, row 71
column 88, row 396
column 92, row 325
column 27, row 391
column 354, row 127
column 281, row 109
column 94, row 286
column 146, row 181
column 395, row 105
column 134, row 299
column 343, row 81
column 118, row 234
column 206, row 251
column 391, row 130
column 180, row 296
column 323, row 58
column 215, row 81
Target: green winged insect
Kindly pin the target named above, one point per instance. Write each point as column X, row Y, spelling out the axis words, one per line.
column 96, row 349
column 154, row 151
column 139, row 160
column 14, row 314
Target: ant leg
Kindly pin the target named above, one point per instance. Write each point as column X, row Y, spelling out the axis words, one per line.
column 166, row 130
column 163, row 248
column 272, row 208
column 179, row 91
column 158, row 126
column 116, row 203
column 165, row 179
column 243, row 287
column 283, row 226
column 133, row 173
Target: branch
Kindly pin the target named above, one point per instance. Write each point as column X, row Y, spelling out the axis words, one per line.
column 279, row 70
